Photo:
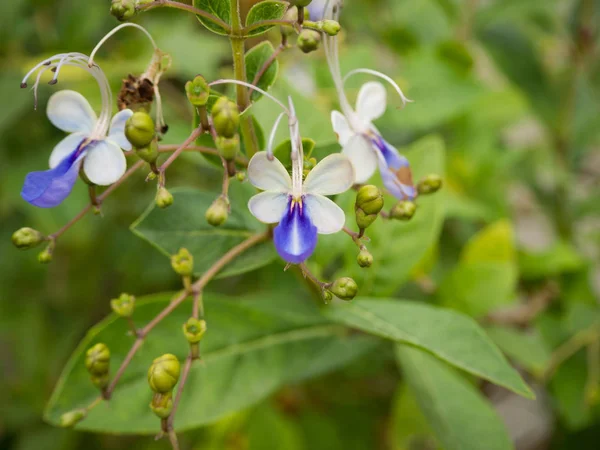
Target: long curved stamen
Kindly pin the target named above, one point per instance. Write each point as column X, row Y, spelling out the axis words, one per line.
column 115, row 30
column 272, row 137
column 382, row 76
column 297, row 154
column 256, row 88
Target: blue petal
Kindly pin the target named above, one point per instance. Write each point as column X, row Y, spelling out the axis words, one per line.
column 295, row 237
column 316, row 9
column 395, row 171
column 49, row 188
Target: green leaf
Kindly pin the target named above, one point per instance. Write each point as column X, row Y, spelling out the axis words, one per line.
column 562, row 257
column 251, row 349
column 183, row 225
column 265, row 11
column 256, row 58
column 452, row 337
column 218, row 8
column 460, row 417
column 283, row 151
column 526, row 348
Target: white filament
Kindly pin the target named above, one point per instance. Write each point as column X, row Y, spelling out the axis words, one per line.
column 382, row 76
column 256, row 88
column 115, row 30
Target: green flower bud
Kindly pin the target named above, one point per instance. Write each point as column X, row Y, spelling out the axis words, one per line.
column 364, row 259
column 27, row 238
column 226, row 117
column 124, row 305
column 97, row 360
column 72, row 418
column 164, row 198
column 123, row 10
column 164, row 373
column 228, row 146
column 194, row 330
column 344, row 288
column 404, row 210
column 308, row 40
column 429, row 184
column 149, row 153
column 327, row 296
column 331, row 27
column 139, row 129
column 218, row 212
column 183, row 262
column 197, row 91
column 162, row 404
column 368, row 205
column 45, row 256
column 241, row 176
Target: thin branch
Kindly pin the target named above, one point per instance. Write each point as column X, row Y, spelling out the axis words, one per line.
column 191, row 138
column 241, row 160
column 266, row 23
column 267, row 64
column 177, row 5
column 312, row 277
column 569, row 348
column 184, row 376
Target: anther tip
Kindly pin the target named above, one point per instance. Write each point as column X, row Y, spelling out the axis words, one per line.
column 52, row 82
column 23, row 85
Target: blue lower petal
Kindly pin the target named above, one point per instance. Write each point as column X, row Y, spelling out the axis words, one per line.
column 49, row 188
column 396, row 172
column 295, row 237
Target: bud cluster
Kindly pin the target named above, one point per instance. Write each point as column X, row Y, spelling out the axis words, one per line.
column 163, row 375
column 97, row 363
column 368, row 205
column 183, row 262
column 124, row 305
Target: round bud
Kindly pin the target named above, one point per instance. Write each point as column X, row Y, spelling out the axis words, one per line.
column 123, row 9
column 194, row 330
column 429, row 184
column 226, row 117
column 241, row 176
column 368, row 205
column 149, row 153
column 228, row 146
column 218, row 212
column 183, row 262
column 301, row 3
column 164, row 198
column 27, row 238
column 364, row 259
column 331, row 27
column 197, row 91
column 124, row 305
column 97, row 360
column 162, row 404
column 139, row 129
column 72, row 418
column 344, row 288
column 404, row 210
column 45, row 256
column 308, row 40
column 164, row 373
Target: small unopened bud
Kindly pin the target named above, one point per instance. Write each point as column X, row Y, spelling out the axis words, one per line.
column 364, row 259
column 331, row 27
column 139, row 129
column 228, row 147
column 368, row 205
column 226, row 117
column 164, row 198
column 162, row 404
column 149, row 153
column 197, row 91
column 123, row 10
column 194, row 330
column 241, row 176
column 72, row 418
column 308, row 40
column 327, row 296
column 45, row 256
column 429, row 184
column 218, row 212
column 25, row 238
column 404, row 210
column 344, row 288
column 163, row 374
column 97, row 363
column 124, row 305
column 183, row 262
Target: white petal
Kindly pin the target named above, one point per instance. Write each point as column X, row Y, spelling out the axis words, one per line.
column 333, row 175
column 364, row 159
column 117, row 129
column 71, row 112
column 341, row 127
column 105, row 163
column 325, row 214
column 65, row 147
column 268, row 207
column 371, row 102
column 268, row 175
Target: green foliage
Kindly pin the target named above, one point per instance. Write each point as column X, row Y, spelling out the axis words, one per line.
column 219, row 8
column 266, row 10
column 256, row 58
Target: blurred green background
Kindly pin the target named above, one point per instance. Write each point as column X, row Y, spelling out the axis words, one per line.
column 512, row 87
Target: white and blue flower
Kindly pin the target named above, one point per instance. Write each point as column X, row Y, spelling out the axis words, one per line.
column 359, row 138
column 299, row 206
column 93, row 145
